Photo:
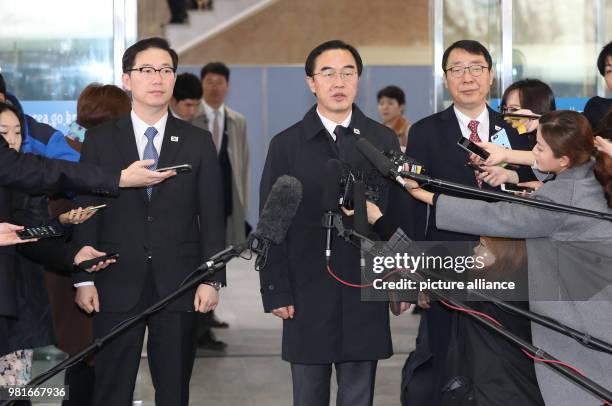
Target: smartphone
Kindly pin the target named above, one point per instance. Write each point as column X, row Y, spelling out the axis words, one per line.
column 469, row 146
column 39, row 232
column 91, row 262
column 501, row 138
column 510, row 188
column 93, row 208
column 178, row 168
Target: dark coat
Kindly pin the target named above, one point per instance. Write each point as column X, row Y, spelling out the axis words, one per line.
column 33, row 173
column 178, row 229
column 32, row 324
column 331, row 323
column 433, row 142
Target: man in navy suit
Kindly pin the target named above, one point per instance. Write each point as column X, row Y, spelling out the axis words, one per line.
column 161, row 234
column 433, row 142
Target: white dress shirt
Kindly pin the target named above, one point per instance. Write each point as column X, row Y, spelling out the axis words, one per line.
column 141, row 141
column 139, row 131
column 210, row 114
column 483, row 127
column 330, row 126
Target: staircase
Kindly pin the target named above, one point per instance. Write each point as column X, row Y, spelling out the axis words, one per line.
column 203, row 25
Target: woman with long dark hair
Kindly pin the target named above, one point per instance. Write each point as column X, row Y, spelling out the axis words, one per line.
column 565, row 146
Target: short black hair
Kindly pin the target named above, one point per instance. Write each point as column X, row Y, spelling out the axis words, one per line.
column 606, row 51
column 129, row 56
column 215, row 67
column 187, row 86
column 469, row 46
column 2, row 85
column 392, row 92
column 309, row 66
column 534, row 95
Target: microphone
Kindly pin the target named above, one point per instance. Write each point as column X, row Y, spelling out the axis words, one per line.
column 330, row 200
column 387, row 167
column 275, row 218
column 360, row 222
column 360, row 218
column 380, row 162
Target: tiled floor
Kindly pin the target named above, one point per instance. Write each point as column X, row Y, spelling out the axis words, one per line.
column 250, row 372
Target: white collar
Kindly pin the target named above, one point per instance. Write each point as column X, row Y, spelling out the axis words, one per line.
column 330, row 125
column 210, row 112
column 465, row 120
column 140, row 126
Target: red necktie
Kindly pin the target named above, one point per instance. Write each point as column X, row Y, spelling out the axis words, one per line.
column 473, row 126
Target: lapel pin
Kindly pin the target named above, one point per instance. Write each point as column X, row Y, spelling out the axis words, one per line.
column 356, row 131
column 174, row 139
column 497, row 128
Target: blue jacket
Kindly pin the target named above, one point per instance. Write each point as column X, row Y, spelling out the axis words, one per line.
column 42, row 139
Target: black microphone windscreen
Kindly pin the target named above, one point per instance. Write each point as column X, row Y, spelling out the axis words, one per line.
column 360, row 224
column 280, row 208
column 331, row 185
column 375, row 157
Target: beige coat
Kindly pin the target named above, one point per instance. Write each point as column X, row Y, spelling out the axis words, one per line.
column 238, row 151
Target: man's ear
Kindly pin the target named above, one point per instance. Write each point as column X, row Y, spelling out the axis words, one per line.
column 127, row 81
column 444, row 80
column 311, row 84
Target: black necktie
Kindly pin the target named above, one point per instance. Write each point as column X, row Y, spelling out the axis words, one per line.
column 338, row 131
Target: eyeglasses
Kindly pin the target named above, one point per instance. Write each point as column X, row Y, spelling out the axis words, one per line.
column 458, row 71
column 330, row 75
column 149, row 71
column 505, row 109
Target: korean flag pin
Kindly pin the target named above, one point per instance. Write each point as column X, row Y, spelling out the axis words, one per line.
column 497, row 128
column 356, row 131
column 174, row 139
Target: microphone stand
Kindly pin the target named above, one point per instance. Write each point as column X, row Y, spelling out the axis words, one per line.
column 425, row 180
column 552, row 362
column 214, row 264
column 583, row 338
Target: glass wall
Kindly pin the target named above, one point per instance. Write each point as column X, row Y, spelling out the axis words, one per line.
column 51, row 50
column 556, row 41
column 474, row 19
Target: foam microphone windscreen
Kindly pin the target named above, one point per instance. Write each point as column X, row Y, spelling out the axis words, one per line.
column 360, row 223
column 279, row 209
column 331, row 185
column 376, row 158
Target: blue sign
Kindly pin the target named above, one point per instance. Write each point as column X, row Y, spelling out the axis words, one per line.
column 563, row 103
column 57, row 113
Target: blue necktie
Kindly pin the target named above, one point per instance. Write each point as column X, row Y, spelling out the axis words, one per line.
column 150, row 153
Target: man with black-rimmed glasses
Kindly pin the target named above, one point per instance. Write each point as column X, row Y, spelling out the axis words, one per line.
column 161, row 234
column 468, row 76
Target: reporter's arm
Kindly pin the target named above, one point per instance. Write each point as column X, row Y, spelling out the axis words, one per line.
column 33, row 173
column 499, row 155
column 499, row 219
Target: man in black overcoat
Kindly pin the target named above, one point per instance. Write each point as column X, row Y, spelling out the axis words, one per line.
column 324, row 321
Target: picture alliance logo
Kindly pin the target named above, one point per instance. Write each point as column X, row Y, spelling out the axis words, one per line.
column 458, row 264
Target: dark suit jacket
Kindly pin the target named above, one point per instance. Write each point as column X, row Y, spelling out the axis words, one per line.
column 332, row 323
column 178, row 229
column 433, row 142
